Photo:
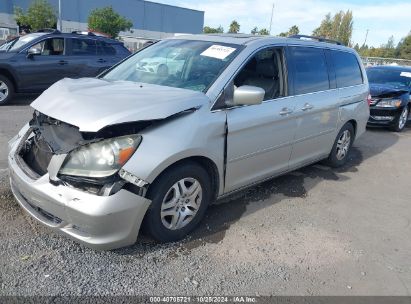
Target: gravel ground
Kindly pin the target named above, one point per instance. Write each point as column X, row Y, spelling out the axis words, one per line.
column 315, row 231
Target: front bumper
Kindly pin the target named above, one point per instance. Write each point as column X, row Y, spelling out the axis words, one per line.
column 383, row 116
column 99, row 222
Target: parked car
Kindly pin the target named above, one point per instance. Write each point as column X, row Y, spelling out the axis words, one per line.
column 390, row 88
column 31, row 63
column 102, row 155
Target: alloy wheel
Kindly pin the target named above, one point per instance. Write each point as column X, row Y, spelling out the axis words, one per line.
column 181, row 203
column 403, row 118
column 4, row 91
column 343, row 145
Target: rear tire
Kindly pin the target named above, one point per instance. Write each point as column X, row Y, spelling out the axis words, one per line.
column 180, row 197
column 342, row 146
column 401, row 120
column 6, row 90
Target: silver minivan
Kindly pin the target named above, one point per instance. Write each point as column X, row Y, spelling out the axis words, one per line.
column 154, row 140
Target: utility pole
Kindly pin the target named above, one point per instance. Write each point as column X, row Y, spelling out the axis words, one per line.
column 366, row 36
column 60, row 21
column 271, row 20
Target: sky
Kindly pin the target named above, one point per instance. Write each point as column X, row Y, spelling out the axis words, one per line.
column 382, row 18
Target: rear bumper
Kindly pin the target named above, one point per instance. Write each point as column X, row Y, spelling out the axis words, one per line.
column 383, row 117
column 99, row 222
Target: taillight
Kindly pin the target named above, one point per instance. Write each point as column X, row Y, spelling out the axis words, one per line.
column 369, row 99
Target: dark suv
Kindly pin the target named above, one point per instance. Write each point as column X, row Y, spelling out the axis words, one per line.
column 31, row 63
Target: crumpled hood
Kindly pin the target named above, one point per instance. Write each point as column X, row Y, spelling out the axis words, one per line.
column 92, row 104
column 385, row 90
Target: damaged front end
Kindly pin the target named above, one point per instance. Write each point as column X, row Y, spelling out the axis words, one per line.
column 89, row 161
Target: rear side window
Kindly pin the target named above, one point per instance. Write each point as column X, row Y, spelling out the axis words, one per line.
column 83, row 47
column 105, row 49
column 310, row 70
column 347, row 69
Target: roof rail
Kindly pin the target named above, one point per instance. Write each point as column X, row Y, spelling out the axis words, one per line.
column 83, row 33
column 48, row 30
column 319, row 39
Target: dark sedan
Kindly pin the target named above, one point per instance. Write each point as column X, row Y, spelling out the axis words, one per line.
column 390, row 88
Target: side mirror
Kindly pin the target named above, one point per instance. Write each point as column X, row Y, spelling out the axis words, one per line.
column 248, row 95
column 33, row 52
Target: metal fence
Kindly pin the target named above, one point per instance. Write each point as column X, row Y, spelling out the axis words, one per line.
column 369, row 61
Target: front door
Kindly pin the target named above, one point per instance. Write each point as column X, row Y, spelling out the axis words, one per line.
column 38, row 72
column 260, row 137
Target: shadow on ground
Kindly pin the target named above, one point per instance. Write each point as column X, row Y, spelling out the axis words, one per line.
column 22, row 99
column 222, row 214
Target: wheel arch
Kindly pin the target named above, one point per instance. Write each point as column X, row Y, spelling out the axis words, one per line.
column 206, row 163
column 6, row 73
column 353, row 122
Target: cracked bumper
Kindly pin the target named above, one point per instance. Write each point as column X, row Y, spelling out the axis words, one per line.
column 99, row 222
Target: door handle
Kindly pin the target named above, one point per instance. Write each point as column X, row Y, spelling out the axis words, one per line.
column 63, row 62
column 285, row 111
column 307, row 106
column 101, row 60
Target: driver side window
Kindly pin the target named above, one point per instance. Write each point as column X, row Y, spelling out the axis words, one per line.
column 50, row 47
column 264, row 70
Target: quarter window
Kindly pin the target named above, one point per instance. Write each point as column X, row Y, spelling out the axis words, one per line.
column 310, row 70
column 347, row 69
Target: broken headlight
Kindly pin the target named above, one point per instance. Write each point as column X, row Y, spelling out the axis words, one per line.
column 101, row 159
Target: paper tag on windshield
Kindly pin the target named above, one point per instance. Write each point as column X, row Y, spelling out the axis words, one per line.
column 406, row 74
column 218, row 51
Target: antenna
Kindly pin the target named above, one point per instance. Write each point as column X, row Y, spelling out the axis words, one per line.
column 271, row 20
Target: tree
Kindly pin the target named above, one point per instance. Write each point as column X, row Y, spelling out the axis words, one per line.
column 263, row 32
column 254, row 31
column 405, row 48
column 39, row 15
column 339, row 27
column 294, row 30
column 325, row 28
column 234, row 27
column 211, row 30
column 107, row 21
column 388, row 49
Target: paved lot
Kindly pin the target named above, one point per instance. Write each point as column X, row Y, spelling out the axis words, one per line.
column 315, row 231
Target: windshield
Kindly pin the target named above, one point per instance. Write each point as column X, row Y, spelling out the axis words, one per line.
column 187, row 64
column 17, row 43
column 6, row 45
column 396, row 78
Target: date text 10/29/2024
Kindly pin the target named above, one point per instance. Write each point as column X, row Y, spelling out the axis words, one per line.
column 204, row 299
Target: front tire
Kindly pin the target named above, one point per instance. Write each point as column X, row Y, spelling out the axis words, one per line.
column 342, row 146
column 180, row 197
column 6, row 90
column 401, row 120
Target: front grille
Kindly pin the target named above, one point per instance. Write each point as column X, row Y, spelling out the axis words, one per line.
column 37, row 154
